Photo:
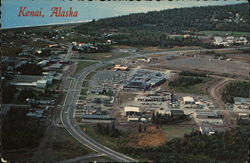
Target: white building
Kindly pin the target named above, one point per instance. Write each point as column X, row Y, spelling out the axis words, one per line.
column 128, row 110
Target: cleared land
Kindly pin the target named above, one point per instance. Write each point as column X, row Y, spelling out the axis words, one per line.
column 172, row 132
column 231, row 33
column 102, row 56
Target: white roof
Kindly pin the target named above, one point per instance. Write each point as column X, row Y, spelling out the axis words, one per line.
column 188, row 98
column 42, row 81
column 133, row 109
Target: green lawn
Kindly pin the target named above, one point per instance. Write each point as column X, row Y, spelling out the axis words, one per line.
column 231, row 33
column 83, row 64
column 194, row 89
column 85, row 84
column 176, row 131
column 82, row 97
column 84, row 91
column 107, row 141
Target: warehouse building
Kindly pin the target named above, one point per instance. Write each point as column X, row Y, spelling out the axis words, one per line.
column 129, row 110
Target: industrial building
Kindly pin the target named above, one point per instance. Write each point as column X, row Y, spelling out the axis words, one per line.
column 143, row 80
column 131, row 110
column 120, row 67
column 241, row 101
column 208, row 117
column 31, row 81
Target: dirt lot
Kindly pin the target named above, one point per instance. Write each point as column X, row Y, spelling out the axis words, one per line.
column 151, row 138
column 202, row 63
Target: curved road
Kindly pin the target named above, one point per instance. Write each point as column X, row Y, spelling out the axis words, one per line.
column 68, row 109
column 70, row 124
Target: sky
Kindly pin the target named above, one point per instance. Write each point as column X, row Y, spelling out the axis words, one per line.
column 88, row 10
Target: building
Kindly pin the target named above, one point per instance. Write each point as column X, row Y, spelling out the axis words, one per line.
column 133, row 118
column 97, row 117
column 208, row 130
column 43, row 63
column 129, row 110
column 208, row 117
column 241, row 101
column 163, row 111
column 143, row 80
column 188, row 102
column 56, row 66
column 120, row 67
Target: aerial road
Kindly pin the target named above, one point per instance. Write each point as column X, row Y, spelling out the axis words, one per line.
column 67, row 113
column 71, row 126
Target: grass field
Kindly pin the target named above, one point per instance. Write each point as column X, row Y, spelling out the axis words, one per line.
column 176, row 131
column 231, row 33
column 102, row 56
column 109, row 142
column 194, row 89
column 82, row 64
column 84, row 91
column 66, row 147
column 85, row 84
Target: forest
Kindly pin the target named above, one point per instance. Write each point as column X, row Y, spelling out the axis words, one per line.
column 229, row 146
column 154, row 28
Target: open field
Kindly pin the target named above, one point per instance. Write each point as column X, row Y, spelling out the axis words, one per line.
column 84, row 91
column 102, row 56
column 65, row 146
column 82, row 64
column 233, row 67
column 109, row 142
column 172, row 132
column 221, row 33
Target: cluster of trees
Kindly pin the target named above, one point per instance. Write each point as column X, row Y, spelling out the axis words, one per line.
column 26, row 69
column 188, row 73
column 185, row 81
column 228, row 146
column 108, row 130
column 235, row 89
column 160, row 119
column 20, row 131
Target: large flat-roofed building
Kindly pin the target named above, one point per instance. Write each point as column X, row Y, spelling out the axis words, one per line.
column 120, row 67
column 188, row 100
column 129, row 110
column 208, row 117
column 144, row 80
column 241, row 101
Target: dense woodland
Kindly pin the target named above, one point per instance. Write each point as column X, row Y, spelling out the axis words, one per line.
column 230, row 146
column 20, row 131
column 153, row 28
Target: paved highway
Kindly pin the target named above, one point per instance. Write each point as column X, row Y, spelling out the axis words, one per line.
column 70, row 124
column 67, row 113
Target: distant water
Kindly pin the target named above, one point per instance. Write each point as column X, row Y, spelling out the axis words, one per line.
column 88, row 10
